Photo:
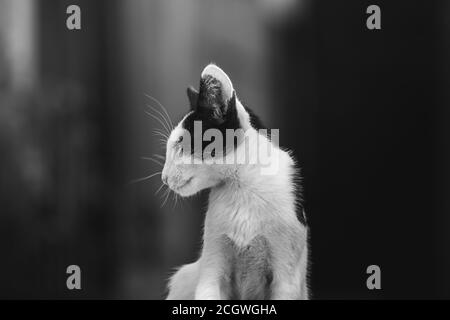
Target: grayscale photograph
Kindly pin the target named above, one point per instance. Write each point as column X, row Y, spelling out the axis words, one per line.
column 224, row 150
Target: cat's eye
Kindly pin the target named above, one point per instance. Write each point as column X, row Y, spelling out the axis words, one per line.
column 179, row 140
column 178, row 146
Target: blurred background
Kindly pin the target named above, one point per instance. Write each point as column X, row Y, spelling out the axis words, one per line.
column 365, row 112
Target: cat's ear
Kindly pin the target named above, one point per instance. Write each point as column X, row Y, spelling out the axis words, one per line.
column 220, row 113
column 217, row 99
column 193, row 97
column 220, row 75
column 231, row 107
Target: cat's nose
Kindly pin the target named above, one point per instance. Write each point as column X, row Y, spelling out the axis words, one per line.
column 164, row 179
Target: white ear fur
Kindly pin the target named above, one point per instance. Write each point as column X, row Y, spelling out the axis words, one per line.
column 215, row 72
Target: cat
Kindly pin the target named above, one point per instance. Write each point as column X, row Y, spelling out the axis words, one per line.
column 254, row 245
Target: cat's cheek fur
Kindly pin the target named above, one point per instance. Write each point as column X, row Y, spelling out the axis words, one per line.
column 190, row 189
column 200, row 181
column 189, row 179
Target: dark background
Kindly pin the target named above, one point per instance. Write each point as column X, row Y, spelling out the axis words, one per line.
column 365, row 112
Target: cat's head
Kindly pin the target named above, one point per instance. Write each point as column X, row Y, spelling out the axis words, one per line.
column 214, row 106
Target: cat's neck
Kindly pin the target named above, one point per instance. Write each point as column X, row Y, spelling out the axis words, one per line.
column 269, row 170
column 247, row 199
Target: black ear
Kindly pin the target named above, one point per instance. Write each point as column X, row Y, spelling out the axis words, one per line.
column 231, row 106
column 225, row 112
column 193, row 97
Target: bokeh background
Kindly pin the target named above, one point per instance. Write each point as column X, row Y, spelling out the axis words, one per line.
column 365, row 112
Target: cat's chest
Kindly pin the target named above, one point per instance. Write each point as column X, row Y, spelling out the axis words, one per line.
column 240, row 223
column 250, row 271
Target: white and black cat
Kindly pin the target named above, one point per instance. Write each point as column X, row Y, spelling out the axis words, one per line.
column 254, row 245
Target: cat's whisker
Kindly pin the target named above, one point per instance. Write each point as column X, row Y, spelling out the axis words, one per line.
column 160, row 134
column 156, row 131
column 157, row 119
column 165, row 192
column 164, row 142
column 177, row 197
column 146, row 178
column 167, row 196
column 174, row 197
column 153, row 160
column 162, row 116
column 159, row 189
column 163, row 158
column 162, row 107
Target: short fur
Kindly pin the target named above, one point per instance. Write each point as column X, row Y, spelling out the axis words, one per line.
column 254, row 246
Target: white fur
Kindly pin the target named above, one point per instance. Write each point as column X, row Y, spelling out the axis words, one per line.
column 243, row 204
